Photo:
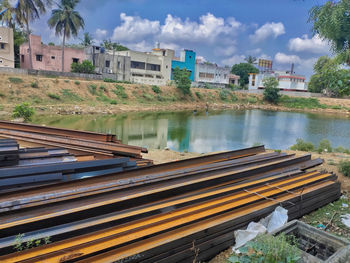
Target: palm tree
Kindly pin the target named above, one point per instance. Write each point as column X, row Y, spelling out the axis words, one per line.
column 66, row 21
column 251, row 59
column 27, row 11
column 87, row 40
column 7, row 14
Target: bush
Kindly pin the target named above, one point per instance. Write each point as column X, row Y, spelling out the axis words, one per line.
column 156, row 89
column 92, row 89
column 341, row 150
column 113, row 102
column 325, row 146
column 23, row 111
column 182, row 80
column 70, row 95
column 77, row 82
column 271, row 92
column 301, row 145
column 120, row 91
column 269, row 249
column 344, row 168
column 34, row 85
column 198, row 94
column 109, row 80
column 54, row 96
column 84, row 67
column 147, row 96
column 15, row 80
column 103, row 88
column 301, row 103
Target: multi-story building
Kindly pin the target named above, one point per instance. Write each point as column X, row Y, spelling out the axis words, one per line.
column 46, row 57
column 211, row 74
column 7, row 54
column 152, row 68
column 109, row 62
column 286, row 81
column 187, row 60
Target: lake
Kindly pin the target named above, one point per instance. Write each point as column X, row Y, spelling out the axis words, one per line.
column 211, row 131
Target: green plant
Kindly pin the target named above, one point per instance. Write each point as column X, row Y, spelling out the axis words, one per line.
column 21, row 245
column 66, row 80
column 34, row 85
column 23, row 111
column 341, row 150
column 109, row 80
column 18, row 246
column 278, row 151
column 252, row 100
column 324, row 146
column 301, row 103
column 156, row 89
column 77, row 82
column 243, row 70
column 271, row 92
column 92, row 89
column 15, row 80
column 2, row 95
column 54, row 96
column 301, row 145
column 223, row 93
column 120, row 91
column 269, row 249
column 85, row 67
column 113, row 102
column 344, row 168
column 147, row 96
column 198, row 94
column 182, row 80
column 103, row 88
column 67, row 93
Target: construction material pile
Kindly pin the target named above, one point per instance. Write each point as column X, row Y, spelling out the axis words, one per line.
column 172, row 212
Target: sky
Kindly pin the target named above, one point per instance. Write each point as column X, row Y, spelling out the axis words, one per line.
column 220, row 31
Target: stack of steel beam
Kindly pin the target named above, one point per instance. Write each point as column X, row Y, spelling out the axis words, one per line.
column 100, row 145
column 173, row 212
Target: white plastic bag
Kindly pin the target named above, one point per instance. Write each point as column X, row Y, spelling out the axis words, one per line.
column 345, row 219
column 278, row 218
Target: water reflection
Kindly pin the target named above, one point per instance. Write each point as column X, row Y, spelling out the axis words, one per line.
column 211, row 131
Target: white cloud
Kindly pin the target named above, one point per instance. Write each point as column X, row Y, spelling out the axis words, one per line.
column 134, row 28
column 101, row 34
column 282, row 58
column 315, row 44
column 225, row 51
column 201, row 58
column 233, row 60
column 268, row 30
column 140, row 46
column 255, row 51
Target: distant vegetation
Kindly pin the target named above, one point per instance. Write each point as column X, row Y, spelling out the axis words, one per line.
column 23, row 111
column 271, row 92
column 84, row 67
column 182, row 80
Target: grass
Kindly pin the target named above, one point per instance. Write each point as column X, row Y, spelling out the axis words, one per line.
column 77, row 82
column 301, row 103
column 2, row 95
column 15, row 80
column 156, row 89
column 34, row 85
column 344, row 168
column 70, row 95
column 198, row 95
column 66, row 80
column 301, row 145
column 92, row 89
column 54, row 96
column 120, row 92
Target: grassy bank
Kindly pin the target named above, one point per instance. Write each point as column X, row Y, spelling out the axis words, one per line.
column 66, row 96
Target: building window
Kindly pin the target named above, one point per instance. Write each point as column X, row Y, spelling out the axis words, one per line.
column 39, row 57
column 138, row 65
column 158, row 77
column 2, row 46
column 118, row 64
column 137, row 75
column 149, row 76
column 53, row 57
column 153, row 67
column 22, row 58
column 108, row 63
column 0, row 61
column 164, row 53
column 190, row 57
column 166, row 66
column 75, row 60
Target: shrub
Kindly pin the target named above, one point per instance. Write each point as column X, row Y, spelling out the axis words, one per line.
column 103, row 88
column 34, row 85
column 109, row 80
column 341, row 150
column 156, row 89
column 198, row 94
column 252, row 100
column 15, row 80
column 271, row 92
column 66, row 80
column 84, row 67
column 120, row 91
column 92, row 89
column 182, row 80
column 23, row 111
column 301, row 145
column 67, row 93
column 325, row 146
column 113, row 102
column 77, row 82
column 147, row 96
column 2, row 95
column 54, row 96
column 344, row 168
column 301, row 103
column 223, row 94
column 269, row 249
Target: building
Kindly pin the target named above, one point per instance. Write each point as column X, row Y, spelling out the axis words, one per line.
column 286, row 81
column 47, row 57
column 234, row 79
column 7, row 54
column 109, row 62
column 187, row 60
column 211, row 74
column 152, row 68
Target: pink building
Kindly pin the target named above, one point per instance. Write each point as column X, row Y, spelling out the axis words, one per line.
column 47, row 57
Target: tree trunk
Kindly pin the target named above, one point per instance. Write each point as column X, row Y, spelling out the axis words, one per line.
column 29, row 44
column 63, row 43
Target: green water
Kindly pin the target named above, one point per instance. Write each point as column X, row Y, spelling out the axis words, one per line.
column 213, row 131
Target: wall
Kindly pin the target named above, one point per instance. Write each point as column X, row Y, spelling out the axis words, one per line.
column 7, row 55
column 288, row 93
column 187, row 61
column 51, row 56
column 211, row 73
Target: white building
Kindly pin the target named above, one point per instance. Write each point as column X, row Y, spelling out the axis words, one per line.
column 7, row 54
column 286, row 81
column 212, row 74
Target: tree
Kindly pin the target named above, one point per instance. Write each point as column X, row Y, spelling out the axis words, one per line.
column 251, row 60
column 66, row 21
column 108, row 44
column 182, row 79
column 84, row 67
column 243, row 70
column 7, row 15
column 19, row 37
column 271, row 92
column 27, row 11
column 87, row 40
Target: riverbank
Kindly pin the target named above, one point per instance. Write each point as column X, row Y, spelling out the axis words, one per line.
column 72, row 96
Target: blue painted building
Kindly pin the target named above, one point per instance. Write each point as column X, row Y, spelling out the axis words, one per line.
column 187, row 61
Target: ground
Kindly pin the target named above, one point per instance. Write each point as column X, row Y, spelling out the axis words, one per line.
column 327, row 217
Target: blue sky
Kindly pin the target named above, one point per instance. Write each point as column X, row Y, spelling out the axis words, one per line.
column 220, row 31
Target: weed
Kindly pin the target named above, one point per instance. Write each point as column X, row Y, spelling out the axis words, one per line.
column 36, row 100
column 15, row 80
column 92, row 89
column 341, row 150
column 147, row 96
column 198, row 94
column 301, row 145
column 66, row 80
column 103, row 88
column 344, row 168
column 325, row 146
column 34, row 85
column 20, row 245
column 23, row 111
column 223, row 94
column 54, row 96
column 2, row 95
column 113, row 102
column 252, row 100
column 120, row 92
column 331, row 162
column 278, row 151
column 109, row 80
column 336, row 107
column 156, row 89
column 301, row 103
column 67, row 93
column 77, row 82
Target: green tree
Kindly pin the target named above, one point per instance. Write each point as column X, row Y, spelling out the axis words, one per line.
column 27, row 11
column 23, row 111
column 87, row 40
column 66, row 21
column 182, row 80
column 243, row 70
column 271, row 92
column 108, row 44
column 7, row 16
column 251, row 60
column 84, row 67
column 19, row 37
